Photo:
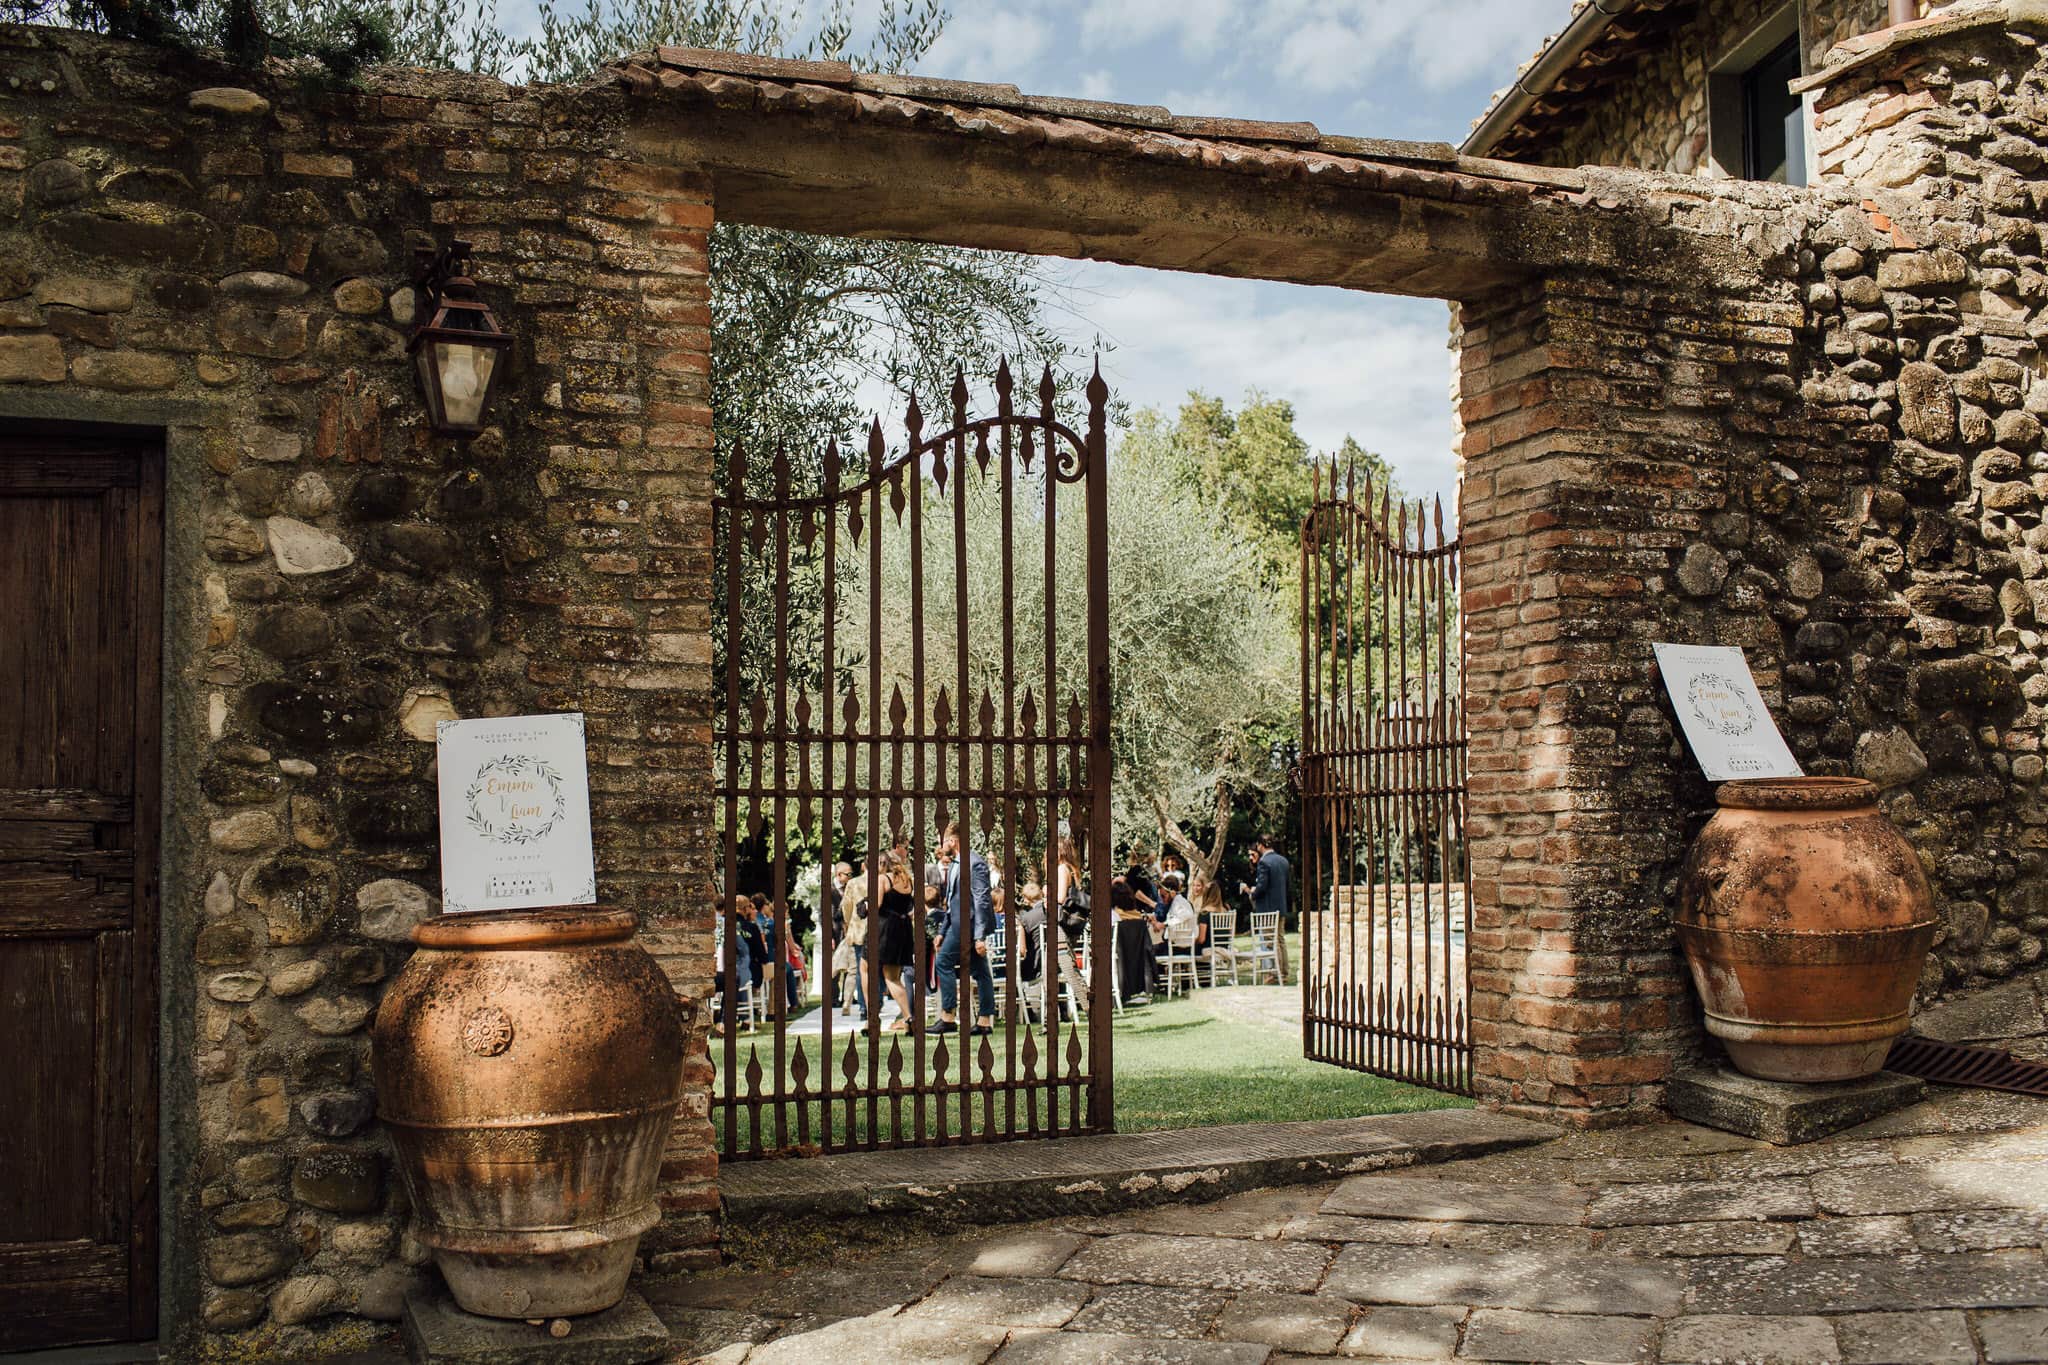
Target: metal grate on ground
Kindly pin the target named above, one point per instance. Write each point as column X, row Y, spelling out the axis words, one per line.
column 1985, row 1068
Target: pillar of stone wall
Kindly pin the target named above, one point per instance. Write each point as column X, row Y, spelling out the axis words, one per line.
column 1606, row 429
column 615, row 617
column 1936, row 311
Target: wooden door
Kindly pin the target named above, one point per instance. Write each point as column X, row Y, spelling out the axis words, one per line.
column 80, row 600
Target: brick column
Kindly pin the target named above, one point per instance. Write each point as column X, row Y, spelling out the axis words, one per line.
column 1600, row 427
column 618, row 602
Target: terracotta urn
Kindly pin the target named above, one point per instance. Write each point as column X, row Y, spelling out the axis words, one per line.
column 1806, row 918
column 528, row 1066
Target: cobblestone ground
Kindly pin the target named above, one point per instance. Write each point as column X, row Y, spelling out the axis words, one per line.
column 1916, row 1239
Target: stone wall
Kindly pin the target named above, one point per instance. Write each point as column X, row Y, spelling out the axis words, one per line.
column 1935, row 330
column 1837, row 464
column 1655, row 118
column 230, row 264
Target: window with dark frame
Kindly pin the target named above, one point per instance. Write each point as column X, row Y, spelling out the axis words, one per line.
column 1774, row 119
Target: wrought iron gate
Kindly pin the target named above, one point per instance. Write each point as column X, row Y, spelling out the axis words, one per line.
column 1385, row 882
column 893, row 666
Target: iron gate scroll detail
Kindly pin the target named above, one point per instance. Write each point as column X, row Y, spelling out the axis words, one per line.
column 1385, row 986
column 900, row 701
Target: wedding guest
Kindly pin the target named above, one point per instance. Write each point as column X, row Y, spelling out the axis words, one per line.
column 970, row 918
column 893, row 941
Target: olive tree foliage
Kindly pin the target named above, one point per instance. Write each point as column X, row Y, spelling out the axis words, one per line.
column 1200, row 652
column 1262, row 477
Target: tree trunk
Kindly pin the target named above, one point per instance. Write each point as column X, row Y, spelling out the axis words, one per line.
column 1171, row 834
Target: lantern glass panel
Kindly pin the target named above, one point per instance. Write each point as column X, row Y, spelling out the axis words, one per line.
column 465, row 369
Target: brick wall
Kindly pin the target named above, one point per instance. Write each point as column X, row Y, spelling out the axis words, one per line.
column 232, row 265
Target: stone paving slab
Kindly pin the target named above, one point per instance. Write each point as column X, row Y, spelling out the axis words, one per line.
column 2012, row 1338
column 1980, row 1230
column 1507, row 1334
column 1018, row 1181
column 1143, row 1310
column 1751, row 1339
column 1855, row 1284
column 1003, row 1302
column 1937, row 1338
column 1930, row 1186
column 1458, row 1201
column 1027, row 1253
column 1957, row 1111
column 1703, row 1239
column 1405, row 1334
column 1199, row 1263
column 1878, row 1236
column 1567, row 1282
column 1099, row 1348
column 902, row 1341
column 1310, row 1323
column 1700, row 1201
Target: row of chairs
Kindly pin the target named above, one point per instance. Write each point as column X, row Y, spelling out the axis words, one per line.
column 1183, row 961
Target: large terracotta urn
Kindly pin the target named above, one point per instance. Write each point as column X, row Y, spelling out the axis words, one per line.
column 1805, row 917
column 528, row 1066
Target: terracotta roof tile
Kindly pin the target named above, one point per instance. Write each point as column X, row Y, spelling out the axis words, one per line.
column 1297, row 151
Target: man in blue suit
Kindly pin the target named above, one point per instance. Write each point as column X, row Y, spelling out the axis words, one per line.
column 1268, row 888
column 972, row 887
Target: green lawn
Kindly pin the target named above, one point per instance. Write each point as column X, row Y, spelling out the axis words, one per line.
column 1216, row 1056
column 1183, row 1064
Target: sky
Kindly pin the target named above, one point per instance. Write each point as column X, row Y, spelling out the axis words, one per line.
column 1375, row 367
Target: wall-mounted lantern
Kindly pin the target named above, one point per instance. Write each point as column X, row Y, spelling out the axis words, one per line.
column 457, row 348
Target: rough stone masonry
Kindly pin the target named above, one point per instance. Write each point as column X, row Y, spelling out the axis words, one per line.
column 1803, row 421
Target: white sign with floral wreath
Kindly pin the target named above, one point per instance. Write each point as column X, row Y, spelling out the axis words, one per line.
column 515, row 813
column 1725, row 720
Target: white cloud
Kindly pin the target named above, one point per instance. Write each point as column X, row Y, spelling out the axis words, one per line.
column 1197, row 28
column 984, row 43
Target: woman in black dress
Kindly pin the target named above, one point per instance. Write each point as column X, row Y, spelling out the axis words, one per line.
column 897, row 951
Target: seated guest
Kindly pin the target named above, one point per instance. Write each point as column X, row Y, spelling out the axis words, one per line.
column 1030, row 928
column 1179, row 910
column 1172, row 864
column 750, row 951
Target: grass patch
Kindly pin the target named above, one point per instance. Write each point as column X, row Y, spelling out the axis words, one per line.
column 1182, row 1065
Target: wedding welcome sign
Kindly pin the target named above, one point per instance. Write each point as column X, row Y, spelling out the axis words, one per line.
column 515, row 813
column 1726, row 723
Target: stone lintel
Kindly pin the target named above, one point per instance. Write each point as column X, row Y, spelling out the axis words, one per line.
column 439, row 1333
column 1782, row 1113
column 1414, row 229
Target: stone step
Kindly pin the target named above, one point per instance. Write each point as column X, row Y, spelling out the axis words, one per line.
column 1020, row 1181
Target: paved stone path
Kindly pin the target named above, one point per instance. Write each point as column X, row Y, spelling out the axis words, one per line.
column 1916, row 1239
